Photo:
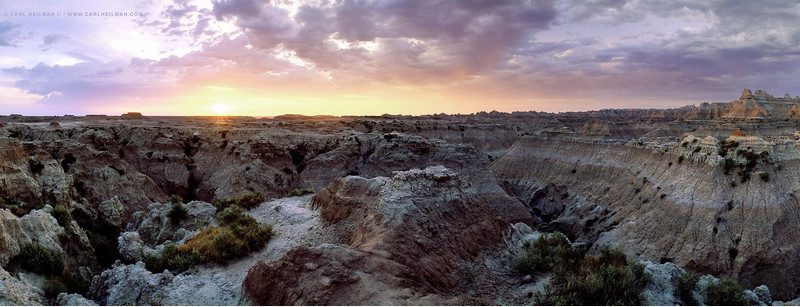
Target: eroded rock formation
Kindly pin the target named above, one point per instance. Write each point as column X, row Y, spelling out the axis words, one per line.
column 404, row 237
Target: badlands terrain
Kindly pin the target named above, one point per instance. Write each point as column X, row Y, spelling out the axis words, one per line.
column 411, row 210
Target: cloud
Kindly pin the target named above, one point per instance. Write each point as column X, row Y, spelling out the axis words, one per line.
column 52, row 39
column 238, row 8
column 9, row 33
column 444, row 39
column 509, row 51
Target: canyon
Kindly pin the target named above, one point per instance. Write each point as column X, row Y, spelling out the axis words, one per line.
column 397, row 209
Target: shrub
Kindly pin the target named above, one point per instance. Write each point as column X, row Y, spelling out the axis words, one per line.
column 728, row 165
column 607, row 279
column 725, row 145
column 733, row 252
column 247, row 201
column 745, row 176
column 696, row 149
column 726, row 292
column 38, row 259
column 238, row 235
column 680, row 159
column 177, row 213
column 153, row 263
column 171, row 259
column 53, row 287
column 75, row 283
column 301, row 192
column 764, row 176
column 686, row 283
column 549, row 251
column 175, row 199
column 61, row 215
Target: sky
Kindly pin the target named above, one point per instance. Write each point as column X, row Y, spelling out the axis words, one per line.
column 350, row 57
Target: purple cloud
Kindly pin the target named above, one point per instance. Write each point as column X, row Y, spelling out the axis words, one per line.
column 9, row 33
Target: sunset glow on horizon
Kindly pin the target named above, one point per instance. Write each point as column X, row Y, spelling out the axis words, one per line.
column 350, row 57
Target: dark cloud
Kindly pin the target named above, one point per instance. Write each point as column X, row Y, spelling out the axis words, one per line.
column 238, row 8
column 443, row 39
column 51, row 39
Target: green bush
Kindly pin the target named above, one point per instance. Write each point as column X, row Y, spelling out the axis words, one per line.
column 175, row 199
column 725, row 145
column 301, row 192
column 238, row 235
column 177, row 213
column 247, row 201
column 37, row 258
column 680, row 159
column 725, row 292
column 549, row 251
column 764, row 176
column 686, row 283
column 61, row 215
column 172, row 259
column 607, row 279
column 53, row 287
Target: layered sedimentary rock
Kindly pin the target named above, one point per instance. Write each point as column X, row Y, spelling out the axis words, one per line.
column 667, row 202
column 403, row 238
column 760, row 105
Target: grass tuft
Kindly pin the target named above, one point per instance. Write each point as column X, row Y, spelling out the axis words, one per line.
column 301, row 192
column 246, row 201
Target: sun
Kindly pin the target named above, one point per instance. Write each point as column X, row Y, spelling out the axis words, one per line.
column 220, row 109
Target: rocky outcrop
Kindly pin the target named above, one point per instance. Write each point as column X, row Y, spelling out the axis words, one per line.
column 37, row 226
column 330, row 275
column 663, row 282
column 149, row 230
column 404, row 236
column 18, row 184
column 155, row 227
column 73, row 299
column 660, row 291
column 16, row 292
column 761, row 105
column 129, row 285
column 369, row 156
